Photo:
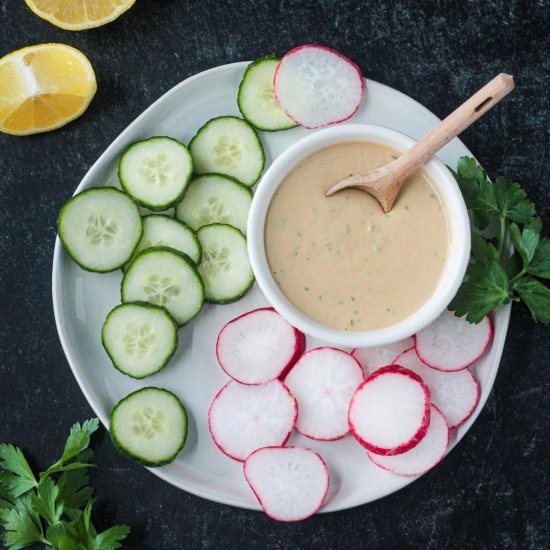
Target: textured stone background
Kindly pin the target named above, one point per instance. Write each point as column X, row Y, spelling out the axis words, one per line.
column 493, row 491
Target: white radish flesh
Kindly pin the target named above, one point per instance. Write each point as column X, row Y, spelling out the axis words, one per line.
column 390, row 412
column 450, row 343
column 290, row 483
column 258, row 346
column 373, row 358
column 316, row 86
column 427, row 454
column 323, row 382
column 244, row 418
column 456, row 394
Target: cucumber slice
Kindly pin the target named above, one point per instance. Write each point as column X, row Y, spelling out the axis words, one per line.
column 150, row 426
column 165, row 277
column 225, row 267
column 139, row 338
column 214, row 198
column 100, row 228
column 256, row 99
column 155, row 172
column 163, row 230
column 228, row 145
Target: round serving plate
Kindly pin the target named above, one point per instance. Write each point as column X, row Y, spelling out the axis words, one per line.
column 82, row 300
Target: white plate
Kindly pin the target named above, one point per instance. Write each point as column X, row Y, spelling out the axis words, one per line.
column 82, row 300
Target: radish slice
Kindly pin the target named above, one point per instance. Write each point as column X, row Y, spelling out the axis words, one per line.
column 244, row 418
column 427, row 454
column 389, row 413
column 316, row 86
column 456, row 394
column 290, row 483
column 259, row 346
column 450, row 343
column 322, row 382
column 381, row 356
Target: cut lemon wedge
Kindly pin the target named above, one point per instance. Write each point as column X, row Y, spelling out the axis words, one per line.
column 78, row 15
column 43, row 87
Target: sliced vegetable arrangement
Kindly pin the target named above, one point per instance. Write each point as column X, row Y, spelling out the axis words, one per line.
column 172, row 265
column 403, row 413
column 400, row 401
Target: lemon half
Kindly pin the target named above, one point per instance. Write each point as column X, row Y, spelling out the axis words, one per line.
column 43, row 87
column 79, row 15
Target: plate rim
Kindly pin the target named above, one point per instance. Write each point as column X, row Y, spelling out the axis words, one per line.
column 504, row 311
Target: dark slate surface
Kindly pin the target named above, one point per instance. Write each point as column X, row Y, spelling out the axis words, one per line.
column 493, row 490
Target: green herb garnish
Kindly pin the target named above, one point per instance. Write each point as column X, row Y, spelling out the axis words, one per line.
column 495, row 277
column 56, row 508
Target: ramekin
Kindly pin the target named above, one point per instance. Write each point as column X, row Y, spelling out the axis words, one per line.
column 458, row 224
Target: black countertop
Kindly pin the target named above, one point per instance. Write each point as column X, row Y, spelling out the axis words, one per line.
column 493, row 490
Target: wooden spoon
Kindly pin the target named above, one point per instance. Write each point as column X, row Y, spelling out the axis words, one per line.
column 384, row 183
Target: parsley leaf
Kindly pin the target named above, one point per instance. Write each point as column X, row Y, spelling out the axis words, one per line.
column 56, row 510
column 540, row 264
column 483, row 248
column 74, row 491
column 537, row 297
column 492, row 278
column 44, row 501
column 512, row 201
column 525, row 242
column 485, row 288
column 21, row 524
column 60, row 536
column 110, row 539
column 6, row 500
column 18, row 477
column 78, row 441
column 478, row 192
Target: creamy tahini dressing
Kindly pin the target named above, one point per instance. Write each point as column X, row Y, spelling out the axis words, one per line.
column 341, row 260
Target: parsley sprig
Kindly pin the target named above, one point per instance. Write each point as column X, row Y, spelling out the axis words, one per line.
column 495, row 277
column 54, row 509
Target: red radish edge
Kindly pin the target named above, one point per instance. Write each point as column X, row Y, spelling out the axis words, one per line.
column 300, row 346
column 487, row 343
column 347, row 431
column 372, row 456
column 300, row 349
column 239, row 459
column 338, row 54
column 471, row 411
column 420, row 433
column 258, row 496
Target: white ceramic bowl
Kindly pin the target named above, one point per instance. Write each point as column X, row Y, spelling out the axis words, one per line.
column 453, row 269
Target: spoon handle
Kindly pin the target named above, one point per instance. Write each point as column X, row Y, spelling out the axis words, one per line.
column 456, row 122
